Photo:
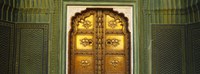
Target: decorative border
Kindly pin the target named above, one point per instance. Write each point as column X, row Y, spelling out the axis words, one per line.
column 112, row 13
column 135, row 34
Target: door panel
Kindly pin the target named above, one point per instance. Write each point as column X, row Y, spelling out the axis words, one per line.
column 84, row 42
column 99, row 43
column 115, row 64
column 84, row 64
column 86, row 21
column 81, row 44
column 112, row 22
column 114, row 42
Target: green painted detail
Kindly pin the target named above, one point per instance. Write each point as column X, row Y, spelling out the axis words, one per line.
column 31, row 52
column 4, row 49
column 32, row 48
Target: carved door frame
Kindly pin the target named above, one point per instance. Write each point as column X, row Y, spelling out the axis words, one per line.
column 100, row 40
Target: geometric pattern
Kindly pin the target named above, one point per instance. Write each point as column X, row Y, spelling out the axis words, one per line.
column 32, row 48
column 4, row 49
column 196, row 50
column 167, row 49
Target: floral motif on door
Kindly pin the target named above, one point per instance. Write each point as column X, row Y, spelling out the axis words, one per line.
column 99, row 42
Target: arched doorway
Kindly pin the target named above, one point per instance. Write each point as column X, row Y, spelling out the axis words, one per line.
column 99, row 42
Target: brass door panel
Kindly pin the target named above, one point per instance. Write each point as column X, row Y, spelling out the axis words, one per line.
column 84, row 42
column 84, row 64
column 115, row 64
column 114, row 42
column 87, row 23
column 112, row 22
column 99, row 42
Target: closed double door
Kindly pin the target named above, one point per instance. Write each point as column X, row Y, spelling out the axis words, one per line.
column 99, row 42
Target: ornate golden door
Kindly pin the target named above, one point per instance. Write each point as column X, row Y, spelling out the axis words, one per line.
column 99, row 42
